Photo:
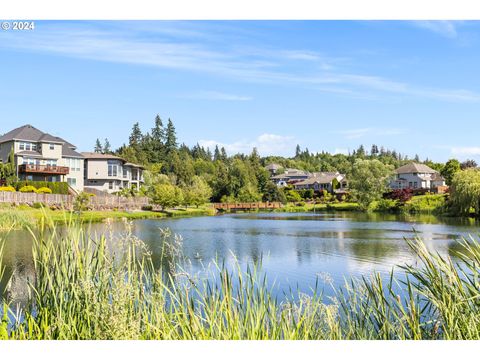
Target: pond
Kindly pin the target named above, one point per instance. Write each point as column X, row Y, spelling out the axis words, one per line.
column 296, row 249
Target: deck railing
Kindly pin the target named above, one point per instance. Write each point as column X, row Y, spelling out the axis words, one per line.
column 43, row 169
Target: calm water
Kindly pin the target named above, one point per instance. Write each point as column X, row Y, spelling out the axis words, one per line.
column 295, row 249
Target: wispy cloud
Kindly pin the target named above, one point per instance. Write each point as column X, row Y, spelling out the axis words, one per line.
column 466, row 151
column 266, row 144
column 360, row 133
column 216, row 96
column 444, row 28
column 185, row 49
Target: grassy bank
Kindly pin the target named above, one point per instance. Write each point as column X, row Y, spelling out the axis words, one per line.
column 308, row 207
column 22, row 216
column 96, row 289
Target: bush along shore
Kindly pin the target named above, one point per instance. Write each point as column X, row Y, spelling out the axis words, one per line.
column 24, row 216
column 89, row 287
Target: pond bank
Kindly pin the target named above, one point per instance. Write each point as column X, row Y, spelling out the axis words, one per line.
column 23, row 216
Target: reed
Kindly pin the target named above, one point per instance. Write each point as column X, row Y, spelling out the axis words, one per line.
column 91, row 286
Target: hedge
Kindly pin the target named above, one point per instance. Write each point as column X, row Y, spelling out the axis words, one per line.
column 56, row 187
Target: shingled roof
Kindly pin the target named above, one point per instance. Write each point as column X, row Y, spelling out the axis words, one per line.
column 100, row 156
column 414, row 168
column 320, row 178
column 29, row 133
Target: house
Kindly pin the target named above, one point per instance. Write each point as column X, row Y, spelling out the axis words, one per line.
column 40, row 156
column 110, row 173
column 273, row 169
column 319, row 181
column 416, row 176
column 290, row 177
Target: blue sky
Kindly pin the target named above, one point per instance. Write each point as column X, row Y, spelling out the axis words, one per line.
column 326, row 85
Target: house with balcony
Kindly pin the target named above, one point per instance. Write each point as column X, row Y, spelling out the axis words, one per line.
column 290, row 177
column 40, row 156
column 109, row 173
column 333, row 182
column 417, row 176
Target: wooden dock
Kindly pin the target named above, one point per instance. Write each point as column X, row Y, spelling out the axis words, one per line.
column 247, row 206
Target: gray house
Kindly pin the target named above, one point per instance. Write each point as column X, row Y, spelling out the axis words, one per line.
column 290, row 177
column 416, row 176
column 110, row 173
column 40, row 156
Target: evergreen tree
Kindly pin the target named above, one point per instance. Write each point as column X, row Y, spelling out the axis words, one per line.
column 170, row 138
column 136, row 136
column 98, row 146
column 216, row 154
column 107, row 148
column 298, row 151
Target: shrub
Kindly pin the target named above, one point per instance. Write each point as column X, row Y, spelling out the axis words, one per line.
column 81, row 202
column 385, row 205
column 44, row 190
column 38, row 205
column 147, row 208
column 56, row 187
column 7, row 188
column 28, row 189
column 426, row 204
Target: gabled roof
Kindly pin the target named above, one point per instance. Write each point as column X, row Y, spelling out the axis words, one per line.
column 133, row 165
column 414, row 168
column 320, row 178
column 291, row 173
column 29, row 133
column 100, row 156
column 273, row 167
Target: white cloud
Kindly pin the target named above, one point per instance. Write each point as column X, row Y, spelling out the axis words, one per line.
column 465, row 151
column 360, row 133
column 341, row 151
column 175, row 49
column 444, row 28
column 266, row 144
column 216, row 95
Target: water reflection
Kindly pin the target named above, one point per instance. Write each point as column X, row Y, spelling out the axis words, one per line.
column 294, row 248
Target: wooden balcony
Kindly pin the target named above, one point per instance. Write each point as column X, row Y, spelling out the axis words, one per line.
column 43, row 169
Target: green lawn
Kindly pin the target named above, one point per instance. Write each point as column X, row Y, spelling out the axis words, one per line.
column 22, row 216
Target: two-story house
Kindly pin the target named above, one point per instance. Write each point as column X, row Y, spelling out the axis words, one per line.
column 416, row 176
column 110, row 173
column 319, row 181
column 40, row 156
column 290, row 177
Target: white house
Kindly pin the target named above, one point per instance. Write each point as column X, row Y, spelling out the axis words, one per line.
column 416, row 176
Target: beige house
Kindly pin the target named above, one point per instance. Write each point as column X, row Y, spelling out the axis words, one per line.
column 416, row 176
column 110, row 173
column 40, row 156
column 319, row 181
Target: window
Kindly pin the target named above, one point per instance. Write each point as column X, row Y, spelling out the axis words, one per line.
column 34, row 147
column 110, row 185
column 27, row 146
column 415, row 184
column 125, row 173
column 52, row 146
column 112, row 168
column 72, row 182
column 22, row 146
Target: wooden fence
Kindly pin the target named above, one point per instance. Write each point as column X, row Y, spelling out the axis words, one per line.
column 66, row 201
column 247, row 206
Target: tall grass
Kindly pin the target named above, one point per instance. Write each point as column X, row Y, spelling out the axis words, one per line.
column 90, row 287
column 11, row 218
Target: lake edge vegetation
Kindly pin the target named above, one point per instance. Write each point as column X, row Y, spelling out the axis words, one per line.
column 89, row 287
